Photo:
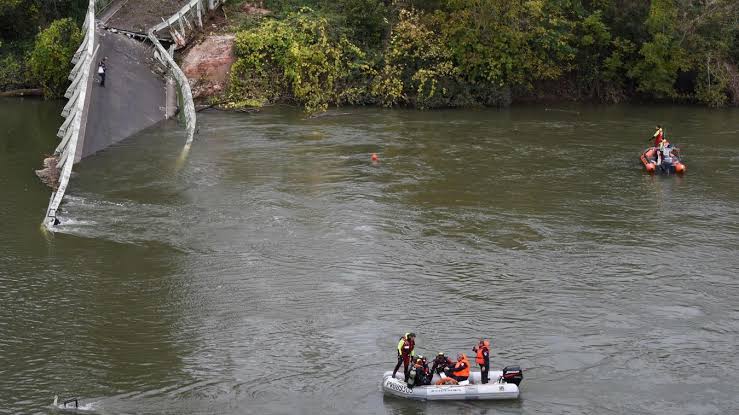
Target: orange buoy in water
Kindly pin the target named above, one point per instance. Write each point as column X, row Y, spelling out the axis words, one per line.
column 374, row 157
column 679, row 168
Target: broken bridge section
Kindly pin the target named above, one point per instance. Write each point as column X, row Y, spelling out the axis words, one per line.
column 135, row 95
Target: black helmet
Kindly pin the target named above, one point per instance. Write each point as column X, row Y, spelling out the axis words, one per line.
column 411, row 334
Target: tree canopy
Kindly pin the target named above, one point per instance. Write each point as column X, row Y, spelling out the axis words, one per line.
column 435, row 53
column 20, row 23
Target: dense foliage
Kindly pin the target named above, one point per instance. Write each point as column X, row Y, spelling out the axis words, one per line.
column 21, row 21
column 437, row 53
column 296, row 57
column 49, row 61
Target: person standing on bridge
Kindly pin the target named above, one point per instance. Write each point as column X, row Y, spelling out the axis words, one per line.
column 101, row 71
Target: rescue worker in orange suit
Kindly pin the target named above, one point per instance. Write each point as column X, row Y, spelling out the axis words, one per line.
column 461, row 370
column 658, row 136
column 483, row 358
column 441, row 364
column 406, row 350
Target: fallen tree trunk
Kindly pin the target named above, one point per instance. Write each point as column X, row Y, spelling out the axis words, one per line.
column 32, row 92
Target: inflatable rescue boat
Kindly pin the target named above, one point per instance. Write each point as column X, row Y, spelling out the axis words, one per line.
column 503, row 384
column 669, row 164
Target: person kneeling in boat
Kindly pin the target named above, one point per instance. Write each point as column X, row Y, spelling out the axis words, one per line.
column 441, row 364
column 663, row 151
column 461, row 370
column 420, row 374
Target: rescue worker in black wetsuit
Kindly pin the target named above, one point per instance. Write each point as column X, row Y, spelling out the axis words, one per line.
column 420, row 374
column 440, row 364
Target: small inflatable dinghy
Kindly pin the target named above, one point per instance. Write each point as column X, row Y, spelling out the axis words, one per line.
column 503, row 384
column 669, row 164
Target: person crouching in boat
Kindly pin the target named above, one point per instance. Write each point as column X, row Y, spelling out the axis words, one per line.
column 461, row 370
column 663, row 151
column 483, row 358
column 420, row 374
column 406, row 350
column 441, row 363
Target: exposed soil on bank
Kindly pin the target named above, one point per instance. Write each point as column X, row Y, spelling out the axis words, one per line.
column 207, row 58
column 207, row 64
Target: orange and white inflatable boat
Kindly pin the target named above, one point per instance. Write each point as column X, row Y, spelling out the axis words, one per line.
column 669, row 162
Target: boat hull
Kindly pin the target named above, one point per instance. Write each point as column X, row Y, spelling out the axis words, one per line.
column 474, row 391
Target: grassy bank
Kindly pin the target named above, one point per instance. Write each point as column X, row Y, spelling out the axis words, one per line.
column 450, row 53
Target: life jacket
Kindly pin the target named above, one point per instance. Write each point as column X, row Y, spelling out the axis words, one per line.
column 401, row 342
column 480, row 359
column 461, row 371
column 406, row 346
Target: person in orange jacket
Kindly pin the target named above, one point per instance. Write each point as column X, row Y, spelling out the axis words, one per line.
column 483, row 358
column 461, row 370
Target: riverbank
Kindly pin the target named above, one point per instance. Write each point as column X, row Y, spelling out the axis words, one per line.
column 470, row 54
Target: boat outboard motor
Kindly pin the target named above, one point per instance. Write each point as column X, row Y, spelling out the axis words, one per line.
column 512, row 374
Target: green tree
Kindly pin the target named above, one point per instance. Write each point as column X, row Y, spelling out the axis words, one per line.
column 50, row 60
column 418, row 67
column 662, row 57
column 296, row 58
column 501, row 42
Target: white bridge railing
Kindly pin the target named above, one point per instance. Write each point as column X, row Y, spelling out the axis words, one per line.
column 188, row 109
column 77, row 93
column 190, row 16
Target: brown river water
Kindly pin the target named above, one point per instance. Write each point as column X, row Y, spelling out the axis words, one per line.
column 273, row 271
